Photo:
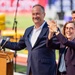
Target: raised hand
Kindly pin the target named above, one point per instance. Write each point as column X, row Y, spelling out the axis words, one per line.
column 52, row 26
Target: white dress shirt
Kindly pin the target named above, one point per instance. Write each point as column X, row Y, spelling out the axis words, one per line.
column 34, row 34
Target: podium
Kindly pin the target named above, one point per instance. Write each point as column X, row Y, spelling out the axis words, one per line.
column 6, row 63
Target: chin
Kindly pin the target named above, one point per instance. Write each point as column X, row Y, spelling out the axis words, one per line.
column 36, row 22
column 69, row 37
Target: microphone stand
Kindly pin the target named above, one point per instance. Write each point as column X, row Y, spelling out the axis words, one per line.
column 15, row 27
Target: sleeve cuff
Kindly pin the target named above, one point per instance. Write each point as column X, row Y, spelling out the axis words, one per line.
column 0, row 41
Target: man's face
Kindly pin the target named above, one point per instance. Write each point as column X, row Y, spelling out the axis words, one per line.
column 38, row 15
column 73, row 17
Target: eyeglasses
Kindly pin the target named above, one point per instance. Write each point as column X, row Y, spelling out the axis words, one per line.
column 70, row 28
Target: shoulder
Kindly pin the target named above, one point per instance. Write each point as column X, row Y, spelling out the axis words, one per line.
column 73, row 40
column 29, row 28
column 45, row 25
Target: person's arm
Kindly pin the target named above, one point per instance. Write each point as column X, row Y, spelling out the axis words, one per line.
column 52, row 41
column 50, row 35
column 65, row 41
column 62, row 39
column 13, row 45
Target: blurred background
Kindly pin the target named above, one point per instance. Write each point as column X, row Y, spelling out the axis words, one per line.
column 15, row 17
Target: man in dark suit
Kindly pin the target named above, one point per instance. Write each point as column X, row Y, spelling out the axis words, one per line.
column 41, row 60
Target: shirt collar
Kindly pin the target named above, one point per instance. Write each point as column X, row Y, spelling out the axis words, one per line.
column 41, row 25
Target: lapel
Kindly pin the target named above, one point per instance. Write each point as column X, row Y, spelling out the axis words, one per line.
column 72, row 51
column 44, row 30
column 28, row 34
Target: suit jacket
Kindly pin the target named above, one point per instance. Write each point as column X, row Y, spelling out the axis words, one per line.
column 69, row 54
column 41, row 59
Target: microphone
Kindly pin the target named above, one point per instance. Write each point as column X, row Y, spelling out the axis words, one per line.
column 4, row 43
